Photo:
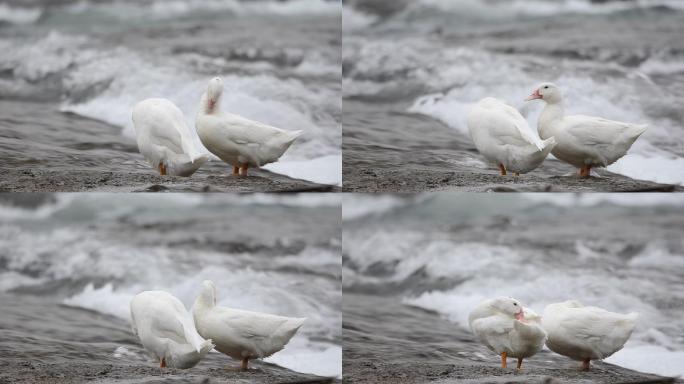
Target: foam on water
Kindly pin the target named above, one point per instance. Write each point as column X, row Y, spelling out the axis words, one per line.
column 324, row 360
column 617, row 288
column 106, row 84
column 9, row 212
column 353, row 19
column 442, row 78
column 67, row 253
column 646, row 358
column 361, row 206
column 19, row 15
column 458, row 265
column 322, row 170
column 507, row 8
column 622, row 101
column 596, row 199
column 243, row 289
column 168, row 9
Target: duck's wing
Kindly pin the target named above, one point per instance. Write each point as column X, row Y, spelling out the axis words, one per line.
column 252, row 325
column 155, row 124
column 187, row 324
column 521, row 125
column 598, row 328
column 505, row 124
column 494, row 331
column 189, row 141
column 600, row 132
column 248, row 132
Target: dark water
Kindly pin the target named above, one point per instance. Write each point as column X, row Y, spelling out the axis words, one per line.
column 280, row 62
column 444, row 253
column 70, row 264
column 433, row 58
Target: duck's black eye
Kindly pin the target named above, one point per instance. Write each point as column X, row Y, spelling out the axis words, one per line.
column 546, row 86
column 515, row 303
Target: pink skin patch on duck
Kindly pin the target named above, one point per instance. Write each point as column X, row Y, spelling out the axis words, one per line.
column 520, row 316
column 535, row 95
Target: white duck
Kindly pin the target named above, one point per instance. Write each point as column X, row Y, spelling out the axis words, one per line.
column 236, row 140
column 586, row 333
column 166, row 142
column 508, row 329
column 242, row 335
column 583, row 141
column 503, row 137
column 167, row 330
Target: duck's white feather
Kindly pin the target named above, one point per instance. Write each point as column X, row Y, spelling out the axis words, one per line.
column 581, row 332
column 243, row 334
column 503, row 333
column 163, row 137
column 167, row 329
column 585, row 140
column 235, row 139
column 501, row 134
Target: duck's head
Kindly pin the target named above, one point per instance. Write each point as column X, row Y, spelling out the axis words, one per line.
column 213, row 93
column 510, row 307
column 208, row 294
column 548, row 92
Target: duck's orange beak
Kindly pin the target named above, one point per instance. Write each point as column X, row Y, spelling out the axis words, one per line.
column 535, row 95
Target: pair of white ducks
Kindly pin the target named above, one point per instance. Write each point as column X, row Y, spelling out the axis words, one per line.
column 170, row 146
column 567, row 328
column 501, row 134
column 180, row 340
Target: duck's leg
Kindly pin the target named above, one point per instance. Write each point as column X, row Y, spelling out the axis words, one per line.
column 503, row 359
column 520, row 363
column 517, row 174
column 245, row 364
column 243, row 169
column 162, row 363
column 162, row 169
column 236, row 170
column 584, row 171
column 586, row 365
column 502, row 169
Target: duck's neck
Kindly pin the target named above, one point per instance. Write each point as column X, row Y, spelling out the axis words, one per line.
column 551, row 113
column 203, row 303
column 208, row 108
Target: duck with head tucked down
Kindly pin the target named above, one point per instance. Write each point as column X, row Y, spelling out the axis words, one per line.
column 507, row 328
column 167, row 330
column 238, row 141
column 163, row 138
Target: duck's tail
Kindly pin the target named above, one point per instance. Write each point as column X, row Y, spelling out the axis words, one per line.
column 206, row 346
column 630, row 319
column 548, row 145
column 191, row 334
column 637, row 130
column 290, row 327
column 281, row 143
column 200, row 158
column 293, row 135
